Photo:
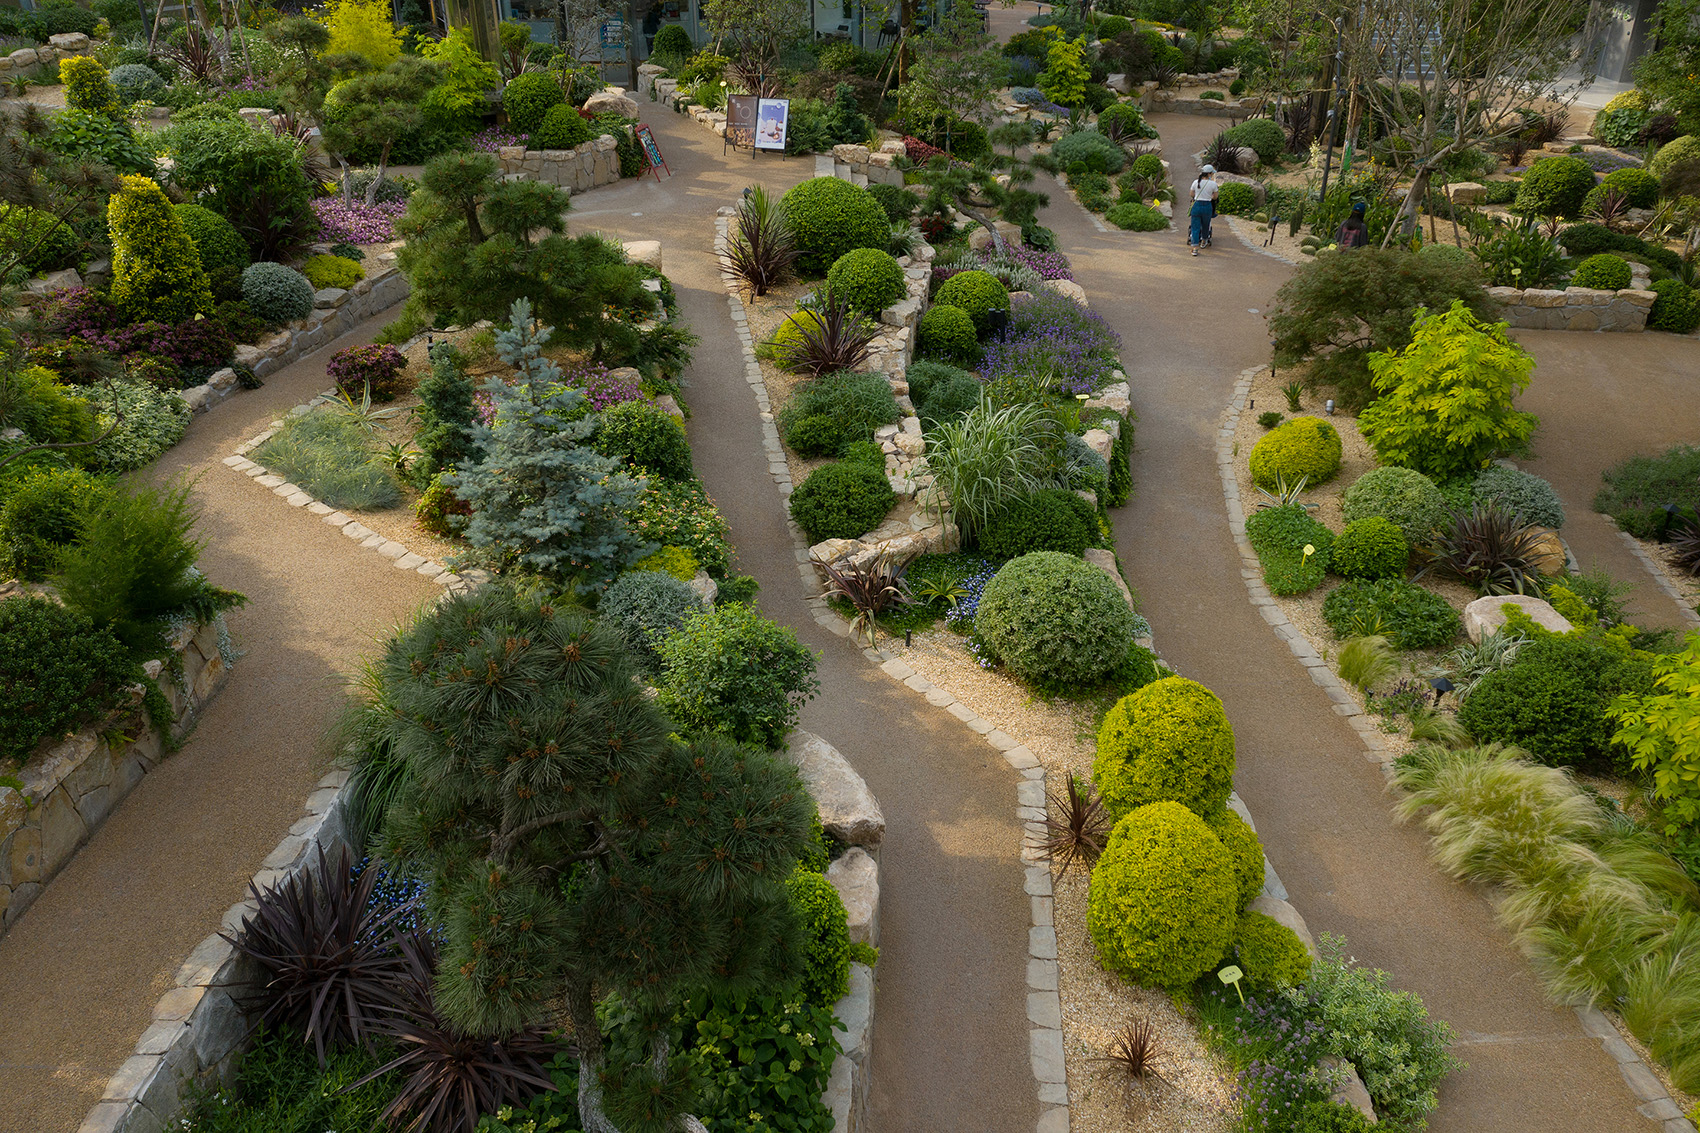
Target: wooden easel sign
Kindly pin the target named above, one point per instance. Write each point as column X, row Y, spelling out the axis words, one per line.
column 740, row 122
column 652, row 151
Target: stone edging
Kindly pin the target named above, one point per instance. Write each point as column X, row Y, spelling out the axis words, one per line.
column 1660, row 576
column 1247, row 238
column 1643, row 1083
column 198, row 1030
column 1044, row 1004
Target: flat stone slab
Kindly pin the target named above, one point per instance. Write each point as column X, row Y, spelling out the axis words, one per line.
column 848, row 809
column 856, row 876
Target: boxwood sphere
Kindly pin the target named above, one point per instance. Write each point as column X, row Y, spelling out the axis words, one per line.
column 867, row 279
column 276, row 293
column 1051, row 519
column 1677, row 308
column 1555, row 186
column 1370, row 548
column 1054, row 620
column 1168, row 742
column 1306, row 447
column 224, row 254
column 528, row 97
column 1604, row 271
column 1244, row 850
column 561, row 128
column 1405, row 497
column 842, row 501
column 829, row 217
column 1270, row 954
column 977, row 292
column 1163, row 900
column 947, row 334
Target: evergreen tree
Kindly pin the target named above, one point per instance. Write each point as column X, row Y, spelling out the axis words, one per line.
column 576, row 846
column 444, row 438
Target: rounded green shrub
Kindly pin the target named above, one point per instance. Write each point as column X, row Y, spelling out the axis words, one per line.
column 1677, row 308
column 275, row 293
column 648, row 605
column 1162, row 904
column 673, row 42
column 1168, row 742
column 59, row 670
column 224, row 254
column 842, row 501
column 46, row 244
column 815, row 435
column 1088, row 148
column 865, row 452
column 1551, row 700
column 46, row 411
column 324, row 271
column 923, row 376
column 947, row 334
column 826, row 936
column 899, row 203
column 1403, row 496
column 1053, row 519
column 868, row 279
column 1673, row 153
column 137, row 82
column 1244, row 850
column 156, row 271
column 949, row 400
column 1370, row 548
column 1450, row 254
column 1555, row 186
column 829, row 217
column 645, row 436
column 1136, row 216
column 1522, row 493
column 793, row 327
column 1125, row 121
column 1305, row 448
column 1604, row 271
column 977, row 292
column 1149, row 165
column 1269, row 953
column 1639, row 188
column 528, row 97
column 834, row 410
column 1406, row 614
column 732, row 671
column 1236, row 199
column 562, row 128
column 1054, row 620
column 1262, row 135
column 87, row 86
column 43, row 513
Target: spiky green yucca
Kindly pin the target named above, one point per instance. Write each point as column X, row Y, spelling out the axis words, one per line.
column 572, row 842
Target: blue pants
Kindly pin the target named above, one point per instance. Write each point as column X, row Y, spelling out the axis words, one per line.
column 1202, row 211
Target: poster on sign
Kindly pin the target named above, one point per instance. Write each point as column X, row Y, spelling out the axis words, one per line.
column 772, row 119
column 652, row 151
column 741, row 120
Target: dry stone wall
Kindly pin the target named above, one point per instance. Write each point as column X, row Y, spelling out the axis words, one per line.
column 1575, row 308
column 583, row 167
column 69, row 790
column 57, row 47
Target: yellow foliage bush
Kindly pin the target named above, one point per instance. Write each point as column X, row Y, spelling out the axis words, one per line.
column 156, row 269
column 365, row 27
column 1167, row 742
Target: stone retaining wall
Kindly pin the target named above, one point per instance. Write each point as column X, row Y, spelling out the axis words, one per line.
column 70, row 789
column 583, row 167
column 1575, row 308
column 57, row 47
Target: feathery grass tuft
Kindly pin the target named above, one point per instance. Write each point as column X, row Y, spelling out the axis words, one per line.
column 1367, row 661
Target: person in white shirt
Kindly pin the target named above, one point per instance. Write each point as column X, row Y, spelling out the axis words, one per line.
column 1204, row 192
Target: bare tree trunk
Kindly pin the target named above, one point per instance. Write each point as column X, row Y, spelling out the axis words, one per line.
column 592, row 1056
column 383, row 165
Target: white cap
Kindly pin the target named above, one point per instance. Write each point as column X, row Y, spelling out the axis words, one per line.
column 1208, row 169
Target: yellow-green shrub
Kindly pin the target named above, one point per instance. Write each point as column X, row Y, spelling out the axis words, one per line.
column 87, row 86
column 156, row 270
column 676, row 561
column 1306, row 447
column 1168, row 742
column 364, row 27
column 1244, row 850
column 1162, row 901
column 324, row 271
column 1270, row 954
column 790, row 332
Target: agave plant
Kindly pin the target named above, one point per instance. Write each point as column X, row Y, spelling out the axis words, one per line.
column 1078, row 828
column 872, row 588
column 361, row 412
column 1491, row 549
column 834, row 339
column 329, row 962
column 452, row 1077
column 1466, row 665
column 1285, row 493
column 762, row 250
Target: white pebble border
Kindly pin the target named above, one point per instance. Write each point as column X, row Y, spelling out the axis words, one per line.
column 401, row 558
column 1660, row 576
column 1044, row 1005
column 1657, row 1105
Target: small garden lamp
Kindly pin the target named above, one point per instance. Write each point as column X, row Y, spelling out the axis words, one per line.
column 1329, row 405
column 997, row 320
column 1441, row 687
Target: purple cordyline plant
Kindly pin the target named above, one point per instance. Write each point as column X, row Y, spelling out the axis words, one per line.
column 357, row 222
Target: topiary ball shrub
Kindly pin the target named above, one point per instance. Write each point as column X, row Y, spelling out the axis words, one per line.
column 1306, row 448
column 324, row 271
column 1135, row 216
column 1677, row 308
column 646, row 437
column 1244, row 850
column 842, row 501
column 43, row 513
column 1673, row 153
column 1406, row 614
column 224, row 254
column 1124, row 120
column 1236, row 199
column 826, row 936
column 59, row 671
column 528, row 97
column 1054, row 620
column 1053, row 519
column 1403, row 496
column 1089, row 148
column 1604, row 271
column 1162, row 903
column 732, row 671
column 1149, row 165
column 1269, row 953
column 1521, row 493
column 1555, row 186
column 276, row 293
column 1262, row 135
column 87, row 85
column 562, row 128
column 1370, row 548
column 1639, row 188
column 648, row 605
column 137, row 82
column 1168, row 742
column 977, row 292
column 828, row 218
column 868, row 279
column 947, row 334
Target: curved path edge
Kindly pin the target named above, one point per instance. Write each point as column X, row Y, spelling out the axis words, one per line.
column 1656, row 1103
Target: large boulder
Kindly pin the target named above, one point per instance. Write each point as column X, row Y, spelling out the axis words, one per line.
column 1283, row 913
column 612, row 100
column 1484, row 616
column 856, row 876
column 847, row 808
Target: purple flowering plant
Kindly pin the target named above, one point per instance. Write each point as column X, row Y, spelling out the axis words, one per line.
column 493, row 138
column 1049, row 265
column 1277, row 1047
column 356, row 222
column 1051, row 332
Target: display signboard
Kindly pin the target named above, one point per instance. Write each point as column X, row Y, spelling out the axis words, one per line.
column 613, row 32
column 773, row 118
column 741, row 119
column 652, row 151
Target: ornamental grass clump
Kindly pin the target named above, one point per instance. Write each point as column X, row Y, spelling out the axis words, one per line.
column 1168, row 742
column 331, row 457
column 1055, row 621
column 988, row 459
